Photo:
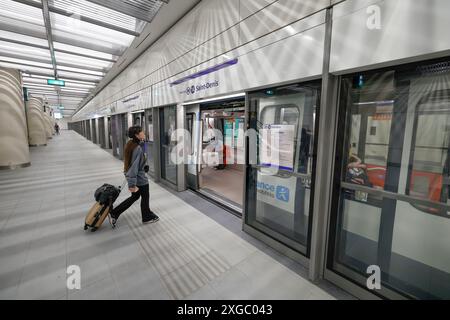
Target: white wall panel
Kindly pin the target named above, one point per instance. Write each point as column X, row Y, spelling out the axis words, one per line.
column 297, row 57
column 214, row 17
column 277, row 15
column 249, row 7
column 410, row 29
column 283, row 33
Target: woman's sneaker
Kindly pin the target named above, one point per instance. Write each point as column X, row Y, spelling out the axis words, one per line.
column 112, row 220
column 153, row 218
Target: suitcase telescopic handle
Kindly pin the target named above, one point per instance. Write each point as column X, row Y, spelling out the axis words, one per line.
column 123, row 184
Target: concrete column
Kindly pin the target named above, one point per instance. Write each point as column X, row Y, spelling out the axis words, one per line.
column 106, row 132
column 13, row 126
column 37, row 135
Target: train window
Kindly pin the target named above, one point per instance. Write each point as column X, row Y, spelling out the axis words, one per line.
column 391, row 207
column 371, row 119
column 430, row 152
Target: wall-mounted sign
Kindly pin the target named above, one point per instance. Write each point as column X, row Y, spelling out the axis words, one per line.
column 276, row 191
column 55, row 82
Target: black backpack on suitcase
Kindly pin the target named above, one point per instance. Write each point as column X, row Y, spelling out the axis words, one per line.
column 105, row 196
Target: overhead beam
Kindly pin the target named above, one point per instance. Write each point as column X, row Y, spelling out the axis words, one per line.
column 26, row 64
column 47, row 93
column 88, row 45
column 80, row 17
column 96, row 22
column 85, row 55
column 82, row 73
column 36, row 34
column 56, row 50
column 48, row 30
column 64, row 77
column 39, row 60
column 122, row 7
column 17, row 28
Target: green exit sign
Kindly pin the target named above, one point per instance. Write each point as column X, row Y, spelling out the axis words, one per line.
column 55, row 82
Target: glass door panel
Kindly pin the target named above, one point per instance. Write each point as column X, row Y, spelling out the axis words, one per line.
column 280, row 180
column 168, row 142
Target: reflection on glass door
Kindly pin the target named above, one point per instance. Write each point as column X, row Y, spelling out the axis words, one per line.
column 391, row 207
column 88, row 129
column 101, row 132
column 192, row 126
column 139, row 119
column 109, row 133
column 119, row 134
column 280, row 184
column 430, row 154
column 167, row 122
column 150, row 140
column 94, row 131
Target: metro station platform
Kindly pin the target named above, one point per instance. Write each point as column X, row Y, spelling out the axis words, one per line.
column 196, row 251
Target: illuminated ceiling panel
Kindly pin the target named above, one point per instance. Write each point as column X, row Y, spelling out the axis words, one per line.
column 77, row 41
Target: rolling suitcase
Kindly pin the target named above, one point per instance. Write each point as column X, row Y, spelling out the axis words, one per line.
column 96, row 216
column 104, row 197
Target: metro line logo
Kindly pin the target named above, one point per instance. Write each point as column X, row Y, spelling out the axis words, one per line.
column 190, row 90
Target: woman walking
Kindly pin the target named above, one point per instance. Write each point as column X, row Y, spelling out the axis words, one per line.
column 135, row 168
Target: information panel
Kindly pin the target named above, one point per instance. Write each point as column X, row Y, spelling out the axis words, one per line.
column 278, row 146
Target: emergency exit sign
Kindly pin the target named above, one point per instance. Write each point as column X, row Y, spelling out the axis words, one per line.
column 55, row 82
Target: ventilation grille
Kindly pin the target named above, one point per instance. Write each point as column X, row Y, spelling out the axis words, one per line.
column 434, row 69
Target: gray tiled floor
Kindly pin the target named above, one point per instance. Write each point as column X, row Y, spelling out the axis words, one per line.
column 196, row 250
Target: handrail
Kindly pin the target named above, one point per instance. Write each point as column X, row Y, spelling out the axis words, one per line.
column 396, row 196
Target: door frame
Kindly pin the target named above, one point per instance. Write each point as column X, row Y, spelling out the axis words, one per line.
column 197, row 107
column 159, row 112
column 192, row 180
column 155, row 143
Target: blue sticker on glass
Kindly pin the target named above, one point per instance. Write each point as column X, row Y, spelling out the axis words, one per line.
column 282, row 193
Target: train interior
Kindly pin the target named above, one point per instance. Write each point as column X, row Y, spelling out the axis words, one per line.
column 219, row 136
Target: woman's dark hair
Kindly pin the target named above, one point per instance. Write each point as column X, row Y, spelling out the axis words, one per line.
column 130, row 146
column 133, row 131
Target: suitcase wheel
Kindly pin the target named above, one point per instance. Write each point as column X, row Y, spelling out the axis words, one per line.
column 94, row 229
column 85, row 227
